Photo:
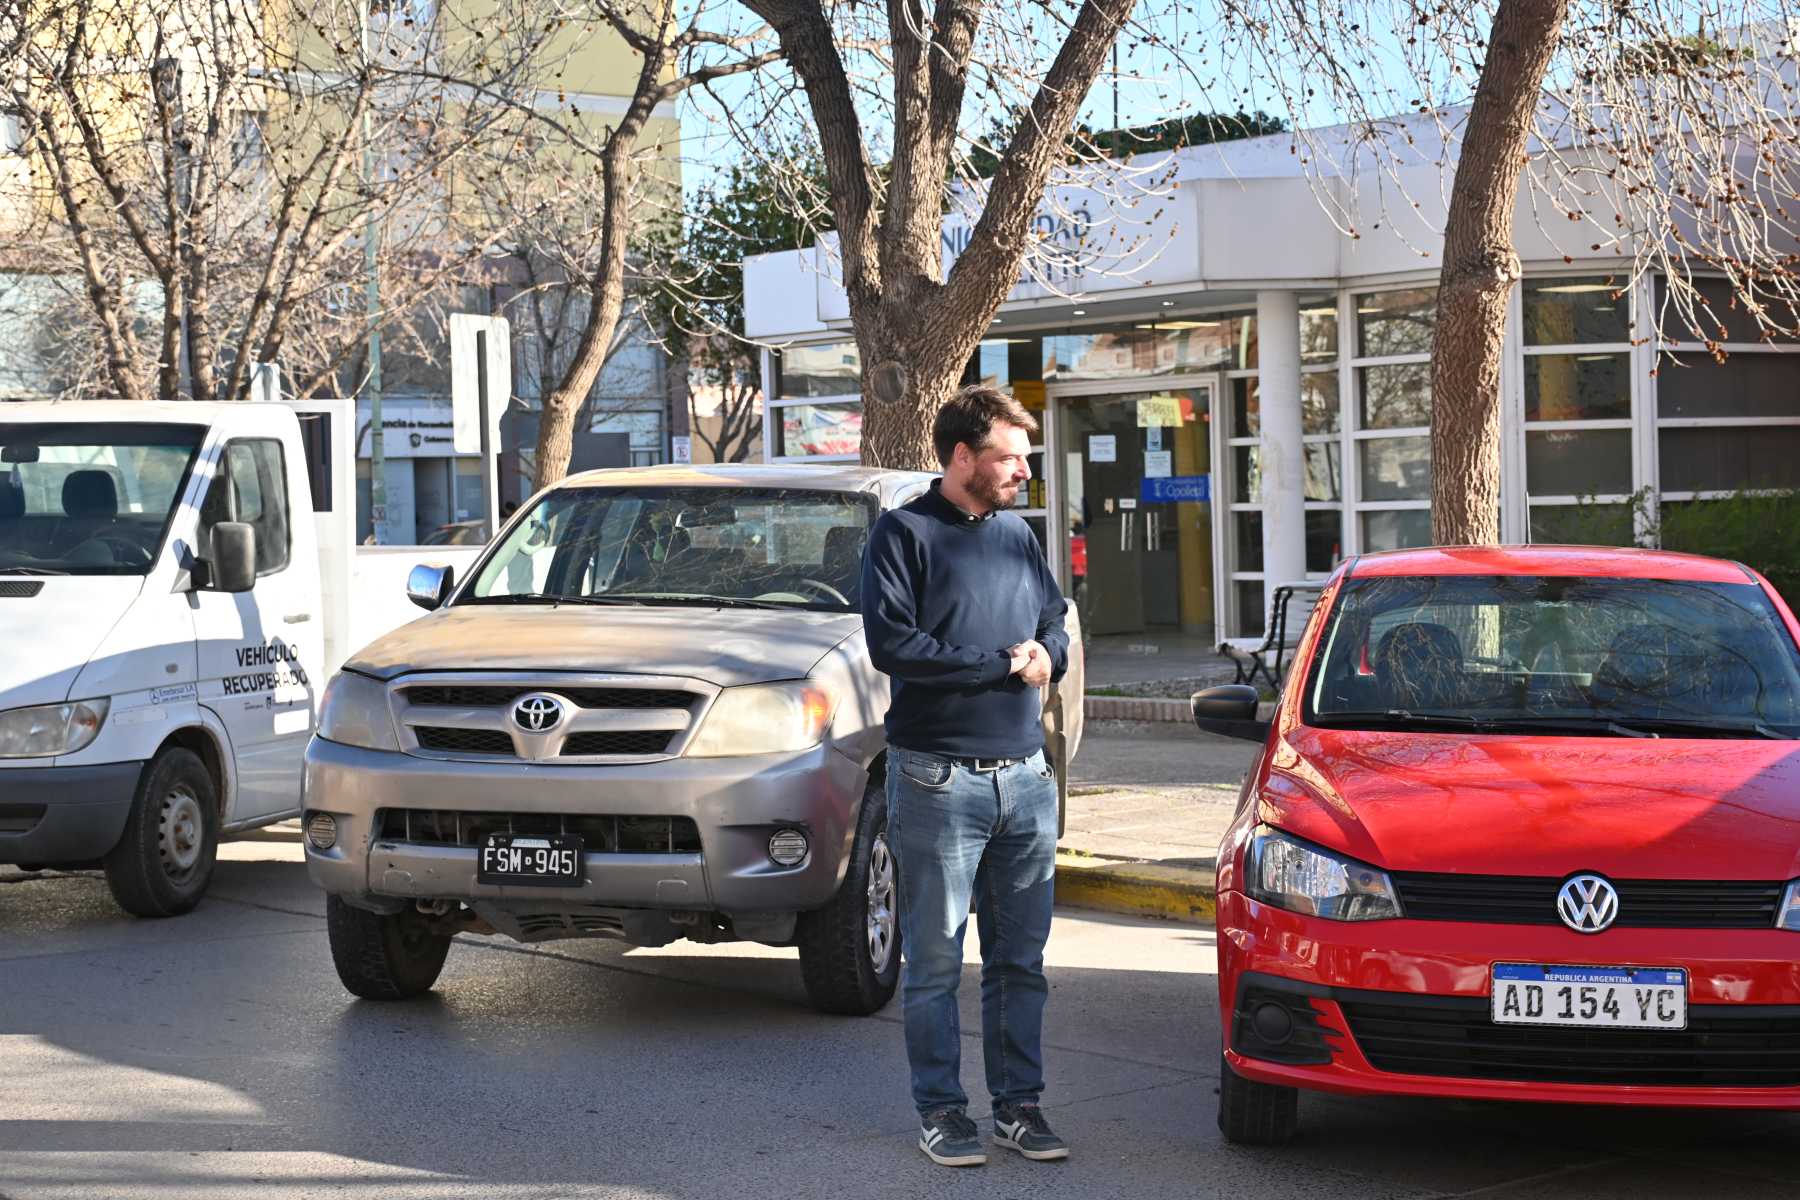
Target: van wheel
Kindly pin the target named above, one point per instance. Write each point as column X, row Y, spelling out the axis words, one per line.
column 850, row 949
column 1255, row 1114
column 165, row 857
column 384, row 956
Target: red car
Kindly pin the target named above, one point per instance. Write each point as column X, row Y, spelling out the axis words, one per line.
column 1526, row 826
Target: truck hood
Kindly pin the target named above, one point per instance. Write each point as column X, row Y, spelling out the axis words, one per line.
column 722, row 646
column 1512, row 805
column 49, row 637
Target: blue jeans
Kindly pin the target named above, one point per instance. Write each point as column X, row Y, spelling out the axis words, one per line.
column 959, row 834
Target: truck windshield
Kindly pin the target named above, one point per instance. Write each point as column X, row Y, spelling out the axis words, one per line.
column 1546, row 655
column 746, row 547
column 89, row 497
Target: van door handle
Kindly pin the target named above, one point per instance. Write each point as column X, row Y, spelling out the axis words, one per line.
column 297, row 618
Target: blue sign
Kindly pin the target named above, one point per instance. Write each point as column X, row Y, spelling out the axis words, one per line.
column 1177, row 489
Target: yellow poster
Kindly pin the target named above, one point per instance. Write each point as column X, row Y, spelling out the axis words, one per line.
column 1029, row 392
column 1158, row 410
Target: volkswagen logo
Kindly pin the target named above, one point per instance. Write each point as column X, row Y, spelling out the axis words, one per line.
column 537, row 713
column 1587, row 903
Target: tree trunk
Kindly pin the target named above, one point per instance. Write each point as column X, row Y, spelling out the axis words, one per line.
column 901, row 396
column 556, row 425
column 1480, row 268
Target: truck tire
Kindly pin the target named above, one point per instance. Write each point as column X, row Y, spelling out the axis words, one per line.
column 1255, row 1114
column 850, row 949
column 165, row 857
column 384, row 956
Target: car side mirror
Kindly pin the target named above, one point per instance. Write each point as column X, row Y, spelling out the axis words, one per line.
column 429, row 585
column 1229, row 710
column 232, row 565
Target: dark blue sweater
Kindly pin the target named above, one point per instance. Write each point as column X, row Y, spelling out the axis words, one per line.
column 944, row 595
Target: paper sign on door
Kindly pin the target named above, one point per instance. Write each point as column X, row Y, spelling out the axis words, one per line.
column 1103, row 447
column 1158, row 464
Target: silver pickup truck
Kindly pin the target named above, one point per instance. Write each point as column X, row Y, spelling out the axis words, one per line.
column 648, row 713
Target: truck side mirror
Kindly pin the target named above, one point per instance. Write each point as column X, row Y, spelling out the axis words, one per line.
column 232, row 567
column 429, row 585
column 1230, row 710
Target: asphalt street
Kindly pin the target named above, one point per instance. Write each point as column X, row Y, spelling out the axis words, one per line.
column 216, row 1056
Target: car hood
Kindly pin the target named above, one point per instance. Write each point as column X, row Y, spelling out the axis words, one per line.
column 723, row 646
column 50, row 636
column 1510, row 805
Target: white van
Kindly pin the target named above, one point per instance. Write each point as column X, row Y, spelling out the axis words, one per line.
column 177, row 581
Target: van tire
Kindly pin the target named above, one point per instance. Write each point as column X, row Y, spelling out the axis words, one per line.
column 384, row 956
column 837, row 959
column 1256, row 1114
column 164, row 859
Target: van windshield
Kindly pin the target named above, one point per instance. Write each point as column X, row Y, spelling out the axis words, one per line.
column 1547, row 655
column 89, row 497
column 740, row 547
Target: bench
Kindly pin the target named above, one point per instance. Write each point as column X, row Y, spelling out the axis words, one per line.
column 1250, row 656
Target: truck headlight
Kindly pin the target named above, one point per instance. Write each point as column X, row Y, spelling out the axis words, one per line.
column 355, row 713
column 766, row 718
column 51, row 729
column 1300, row 877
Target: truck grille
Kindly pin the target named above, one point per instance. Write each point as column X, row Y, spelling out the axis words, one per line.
column 1643, row 903
column 603, row 834
column 599, row 719
column 1723, row 1045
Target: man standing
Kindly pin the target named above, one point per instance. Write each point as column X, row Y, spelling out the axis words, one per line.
column 963, row 615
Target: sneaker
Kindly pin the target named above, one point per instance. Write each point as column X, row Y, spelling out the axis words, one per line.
column 950, row 1139
column 1022, row 1127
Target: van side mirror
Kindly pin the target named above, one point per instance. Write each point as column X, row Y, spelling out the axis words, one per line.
column 1229, row 710
column 232, row 565
column 429, row 586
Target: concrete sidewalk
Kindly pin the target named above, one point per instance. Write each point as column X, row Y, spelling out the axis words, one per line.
column 1148, row 803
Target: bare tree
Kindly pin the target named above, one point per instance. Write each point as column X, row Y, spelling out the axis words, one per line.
column 1661, row 133
column 226, row 180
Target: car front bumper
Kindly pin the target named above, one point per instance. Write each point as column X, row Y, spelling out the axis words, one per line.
column 735, row 803
column 53, row 815
column 1400, row 1008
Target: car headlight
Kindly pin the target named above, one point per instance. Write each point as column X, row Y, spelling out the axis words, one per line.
column 355, row 713
column 51, row 729
column 1300, row 877
column 1788, row 915
column 768, row 718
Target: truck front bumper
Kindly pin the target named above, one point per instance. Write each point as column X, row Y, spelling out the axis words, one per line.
column 51, row 815
column 735, row 803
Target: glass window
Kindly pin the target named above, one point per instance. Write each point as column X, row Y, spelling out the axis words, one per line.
column 1396, row 529
column 1723, row 317
column 1549, row 650
column 1567, row 312
column 1318, row 329
column 251, row 489
column 1246, row 474
column 1395, row 397
column 1578, row 462
column 1319, row 402
column 1246, row 407
column 830, row 370
column 1324, row 472
column 1252, row 616
column 1582, row 524
column 1577, row 387
column 802, row 429
column 1744, row 385
column 1395, row 322
column 1396, row 468
column 1696, row 460
column 1201, row 343
column 1249, row 540
column 1324, row 539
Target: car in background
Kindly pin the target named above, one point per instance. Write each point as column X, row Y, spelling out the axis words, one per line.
column 1526, row 826
column 458, row 533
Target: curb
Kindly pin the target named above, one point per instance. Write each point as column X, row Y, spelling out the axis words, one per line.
column 1136, row 708
column 1168, row 890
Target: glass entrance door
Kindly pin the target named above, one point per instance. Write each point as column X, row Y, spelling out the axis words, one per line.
column 1137, row 483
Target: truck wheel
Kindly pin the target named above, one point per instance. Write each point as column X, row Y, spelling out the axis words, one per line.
column 384, row 956
column 1255, row 1114
column 165, row 857
column 850, row 949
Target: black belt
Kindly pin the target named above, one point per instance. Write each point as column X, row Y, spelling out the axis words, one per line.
column 985, row 765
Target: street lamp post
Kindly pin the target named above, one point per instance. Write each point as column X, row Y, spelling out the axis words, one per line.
column 371, row 251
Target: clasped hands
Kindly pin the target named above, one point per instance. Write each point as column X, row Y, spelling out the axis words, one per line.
column 1030, row 662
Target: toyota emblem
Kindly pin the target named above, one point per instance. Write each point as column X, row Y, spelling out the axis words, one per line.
column 537, row 714
column 1587, row 904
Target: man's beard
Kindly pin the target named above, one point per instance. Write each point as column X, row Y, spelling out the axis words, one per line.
column 993, row 493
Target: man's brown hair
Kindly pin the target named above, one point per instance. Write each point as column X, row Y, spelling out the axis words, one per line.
column 969, row 417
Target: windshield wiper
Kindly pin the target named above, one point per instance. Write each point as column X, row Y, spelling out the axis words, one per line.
column 545, row 598
column 701, row 598
column 30, row 571
column 1674, row 726
column 1399, row 716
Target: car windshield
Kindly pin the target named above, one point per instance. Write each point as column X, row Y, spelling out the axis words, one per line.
column 89, row 497
column 1581, row 656
column 745, row 547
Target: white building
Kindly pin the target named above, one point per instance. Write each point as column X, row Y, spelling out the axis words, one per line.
column 1243, row 400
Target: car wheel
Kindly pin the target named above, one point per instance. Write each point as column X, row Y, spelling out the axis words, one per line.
column 850, row 949
column 1255, row 1114
column 384, row 956
column 164, row 859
